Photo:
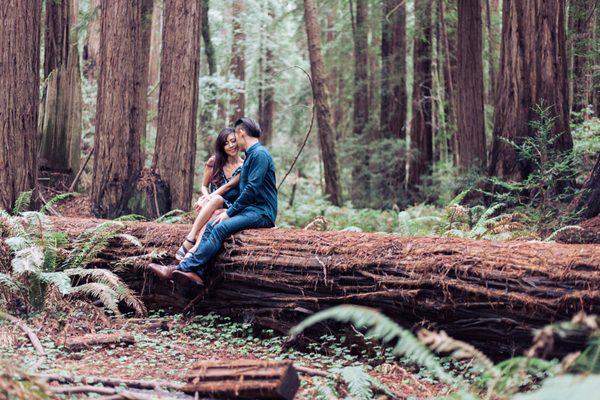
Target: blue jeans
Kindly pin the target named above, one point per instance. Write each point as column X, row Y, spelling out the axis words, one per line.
column 214, row 236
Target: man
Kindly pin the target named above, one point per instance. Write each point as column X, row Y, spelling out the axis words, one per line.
column 256, row 207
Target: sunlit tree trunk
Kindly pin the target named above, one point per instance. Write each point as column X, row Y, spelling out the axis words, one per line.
column 447, row 57
column 471, row 152
column 266, row 104
column 333, row 189
column 360, row 191
column 119, row 110
column 19, row 96
column 421, row 135
column 154, row 60
column 175, row 152
column 238, row 61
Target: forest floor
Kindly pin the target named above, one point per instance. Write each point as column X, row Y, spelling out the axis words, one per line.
column 166, row 346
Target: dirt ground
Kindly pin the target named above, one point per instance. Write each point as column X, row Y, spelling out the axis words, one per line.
column 167, row 346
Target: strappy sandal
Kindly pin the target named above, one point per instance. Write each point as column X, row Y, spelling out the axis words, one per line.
column 181, row 253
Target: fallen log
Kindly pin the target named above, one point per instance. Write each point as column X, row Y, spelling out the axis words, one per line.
column 490, row 294
column 77, row 343
column 243, row 379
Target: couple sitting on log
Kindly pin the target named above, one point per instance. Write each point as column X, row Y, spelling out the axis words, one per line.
column 236, row 195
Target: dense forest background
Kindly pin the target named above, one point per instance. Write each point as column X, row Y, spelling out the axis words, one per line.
column 415, row 102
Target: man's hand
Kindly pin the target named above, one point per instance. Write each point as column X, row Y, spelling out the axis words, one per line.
column 220, row 218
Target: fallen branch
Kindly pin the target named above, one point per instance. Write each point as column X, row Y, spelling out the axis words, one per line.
column 112, row 382
column 35, row 342
column 97, row 339
column 82, row 389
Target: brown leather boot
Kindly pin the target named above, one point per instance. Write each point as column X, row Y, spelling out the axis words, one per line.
column 162, row 271
column 183, row 278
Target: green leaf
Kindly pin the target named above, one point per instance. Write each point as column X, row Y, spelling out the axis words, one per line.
column 28, row 260
column 23, row 202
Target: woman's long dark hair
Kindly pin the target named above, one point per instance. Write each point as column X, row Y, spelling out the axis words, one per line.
column 220, row 155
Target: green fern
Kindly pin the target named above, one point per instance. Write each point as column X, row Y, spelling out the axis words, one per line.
column 60, row 280
column 382, row 328
column 57, row 199
column 358, row 381
column 22, row 202
column 9, row 283
column 91, row 242
column 107, row 296
column 172, row 217
column 130, row 217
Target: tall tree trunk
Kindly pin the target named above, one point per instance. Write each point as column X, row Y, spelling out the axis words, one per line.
column 360, row 191
column 588, row 202
column 60, row 116
column 238, row 62
column 91, row 48
column 119, row 110
column 154, row 59
column 581, row 22
column 143, row 68
column 393, row 92
column 552, row 87
column 175, row 152
column 321, row 98
column 492, row 47
column 19, row 95
column 266, row 105
column 471, row 128
column 210, row 104
column 449, row 68
column 421, row 135
column 532, row 71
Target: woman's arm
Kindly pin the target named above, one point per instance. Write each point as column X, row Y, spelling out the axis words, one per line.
column 208, row 170
column 228, row 186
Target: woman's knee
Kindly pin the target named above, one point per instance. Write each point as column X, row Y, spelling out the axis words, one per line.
column 216, row 200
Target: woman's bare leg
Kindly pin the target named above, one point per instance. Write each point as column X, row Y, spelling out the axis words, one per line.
column 199, row 237
column 203, row 216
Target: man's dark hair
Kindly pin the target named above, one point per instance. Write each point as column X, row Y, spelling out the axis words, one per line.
column 250, row 126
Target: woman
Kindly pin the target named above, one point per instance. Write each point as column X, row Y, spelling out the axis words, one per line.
column 219, row 188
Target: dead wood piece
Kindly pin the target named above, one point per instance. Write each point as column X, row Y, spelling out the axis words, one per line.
column 94, row 339
column 243, row 379
column 35, row 342
column 490, row 294
column 107, row 381
column 82, row 389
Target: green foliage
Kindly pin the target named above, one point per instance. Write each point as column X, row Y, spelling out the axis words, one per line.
column 40, row 261
column 57, row 199
column 172, row 217
column 22, row 202
column 572, row 387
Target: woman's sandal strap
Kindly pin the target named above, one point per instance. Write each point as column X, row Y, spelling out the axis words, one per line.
column 191, row 241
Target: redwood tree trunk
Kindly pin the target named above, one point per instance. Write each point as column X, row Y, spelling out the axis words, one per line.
column 533, row 70
column 154, row 59
column 489, row 293
column 238, row 61
column 91, row 48
column 360, row 191
column 581, row 22
column 266, row 105
column 175, row 152
column 143, row 61
column 333, row 189
column 19, row 96
column 449, row 68
column 588, row 202
column 60, row 117
column 119, row 110
column 421, row 134
column 471, row 153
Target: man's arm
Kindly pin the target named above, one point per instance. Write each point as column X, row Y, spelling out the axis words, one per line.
column 258, row 171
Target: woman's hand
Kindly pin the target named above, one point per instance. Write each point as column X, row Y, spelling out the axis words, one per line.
column 202, row 200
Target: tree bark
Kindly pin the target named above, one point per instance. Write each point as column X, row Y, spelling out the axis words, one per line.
column 492, row 48
column 175, row 153
column 421, row 134
column 533, row 71
column 154, row 60
column 238, row 62
column 91, row 48
column 581, row 24
column 143, row 69
column 210, row 104
column 360, row 191
column 333, row 189
column 119, row 110
column 587, row 204
column 60, row 115
column 243, row 379
column 491, row 294
column 449, row 69
column 19, row 96
column 471, row 152
column 266, row 105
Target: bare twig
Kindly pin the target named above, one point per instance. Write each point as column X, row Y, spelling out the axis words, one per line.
column 37, row 345
column 82, row 389
column 76, row 179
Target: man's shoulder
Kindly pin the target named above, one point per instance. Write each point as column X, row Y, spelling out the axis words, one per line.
column 262, row 151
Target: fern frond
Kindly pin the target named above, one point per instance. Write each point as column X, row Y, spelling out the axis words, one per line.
column 171, row 217
column 99, row 291
column 16, row 243
column 58, row 279
column 358, row 381
column 460, row 197
column 57, row 199
column 111, row 280
column 28, row 260
column 380, row 327
column 130, row 238
column 9, row 283
column 22, row 202
column 563, row 229
column 91, row 242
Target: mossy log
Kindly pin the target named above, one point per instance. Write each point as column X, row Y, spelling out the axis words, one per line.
column 491, row 294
